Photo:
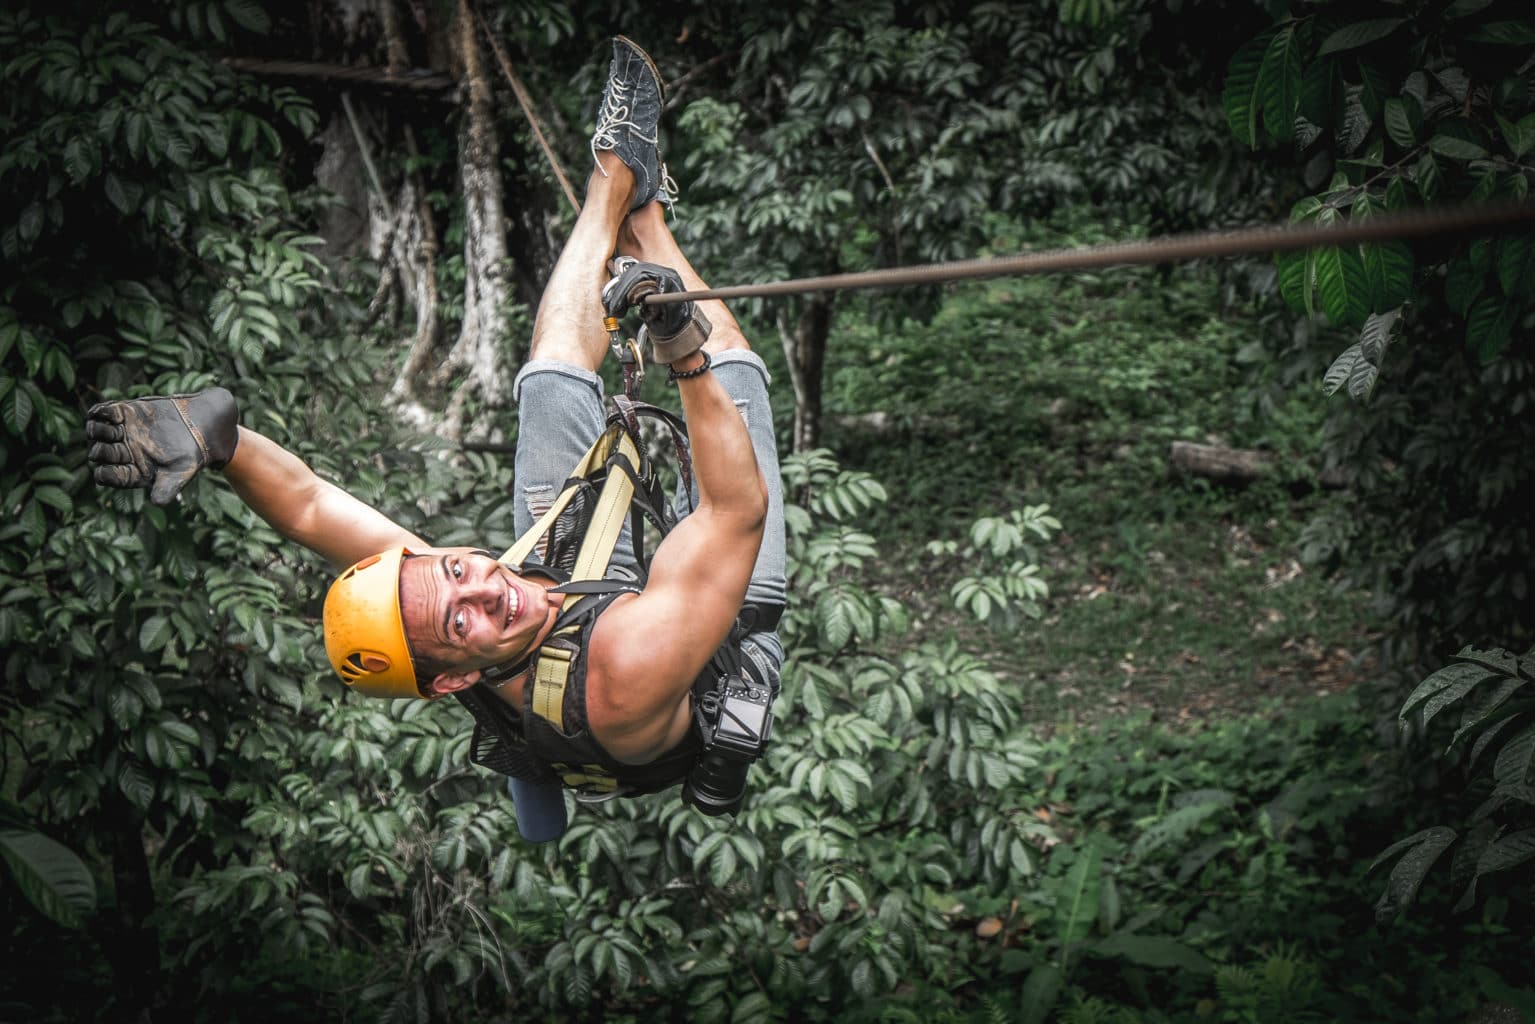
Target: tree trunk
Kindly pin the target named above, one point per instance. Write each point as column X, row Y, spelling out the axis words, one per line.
column 804, row 346
column 418, row 246
column 482, row 352
column 394, row 36
column 130, row 943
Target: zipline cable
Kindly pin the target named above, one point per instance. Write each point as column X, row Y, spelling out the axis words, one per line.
column 1173, row 248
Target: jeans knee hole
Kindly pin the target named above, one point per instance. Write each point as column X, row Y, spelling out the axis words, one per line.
column 540, row 498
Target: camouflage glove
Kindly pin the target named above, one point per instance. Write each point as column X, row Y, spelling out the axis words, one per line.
column 161, row 443
column 675, row 329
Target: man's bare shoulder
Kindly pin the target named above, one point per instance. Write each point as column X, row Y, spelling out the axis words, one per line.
column 635, row 674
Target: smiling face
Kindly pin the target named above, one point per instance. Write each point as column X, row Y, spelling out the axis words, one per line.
column 463, row 609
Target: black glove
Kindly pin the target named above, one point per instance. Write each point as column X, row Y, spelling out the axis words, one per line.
column 675, row 329
column 161, row 443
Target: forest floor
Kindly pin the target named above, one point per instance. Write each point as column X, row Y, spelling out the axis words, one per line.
column 1168, row 594
column 1186, row 621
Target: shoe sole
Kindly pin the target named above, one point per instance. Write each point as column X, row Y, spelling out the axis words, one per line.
column 654, row 71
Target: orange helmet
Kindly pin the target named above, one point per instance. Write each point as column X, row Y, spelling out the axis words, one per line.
column 364, row 631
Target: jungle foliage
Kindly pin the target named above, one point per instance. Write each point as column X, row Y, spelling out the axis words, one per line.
column 1390, row 107
column 1393, row 107
column 200, row 824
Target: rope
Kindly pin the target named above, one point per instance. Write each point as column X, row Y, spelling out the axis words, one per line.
column 526, row 104
column 367, row 155
column 1199, row 245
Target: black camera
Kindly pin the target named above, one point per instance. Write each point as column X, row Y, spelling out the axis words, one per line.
column 735, row 722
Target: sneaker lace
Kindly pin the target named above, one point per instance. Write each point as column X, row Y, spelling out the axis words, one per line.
column 667, row 190
column 613, row 118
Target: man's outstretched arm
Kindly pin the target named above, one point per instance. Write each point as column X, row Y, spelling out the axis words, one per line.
column 282, row 489
column 161, row 443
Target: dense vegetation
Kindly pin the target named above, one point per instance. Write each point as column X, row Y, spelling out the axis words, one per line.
column 1062, row 738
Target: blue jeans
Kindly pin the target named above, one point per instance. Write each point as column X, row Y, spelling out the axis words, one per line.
column 560, row 413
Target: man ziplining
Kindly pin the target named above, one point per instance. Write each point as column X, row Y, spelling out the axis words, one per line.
column 631, row 677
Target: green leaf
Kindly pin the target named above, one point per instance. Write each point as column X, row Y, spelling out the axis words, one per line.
column 1040, row 993
column 1376, row 335
column 1462, row 684
column 1404, row 120
column 1279, row 80
column 1484, row 712
column 1520, row 134
column 1179, row 823
column 835, row 619
column 55, row 498
column 1342, row 368
column 1388, row 268
column 1516, row 263
column 50, row 875
column 1154, row 951
column 1425, row 175
column 77, row 159
column 1241, row 100
column 1465, row 8
column 124, row 196
column 1343, row 286
column 1489, row 326
column 1514, row 761
column 1359, row 34
column 155, row 633
column 1458, row 139
column 1459, row 678
column 1503, row 33
column 1494, row 734
column 135, row 784
column 1318, row 85
column 1423, row 848
column 249, row 15
column 1077, row 902
column 16, row 410
column 1510, row 851
column 1297, row 278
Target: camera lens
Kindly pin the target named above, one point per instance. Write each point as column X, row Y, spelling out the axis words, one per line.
column 716, row 785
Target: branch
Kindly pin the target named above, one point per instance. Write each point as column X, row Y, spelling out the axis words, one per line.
column 678, row 88
column 419, row 80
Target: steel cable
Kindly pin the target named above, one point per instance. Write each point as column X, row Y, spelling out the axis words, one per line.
column 1173, row 248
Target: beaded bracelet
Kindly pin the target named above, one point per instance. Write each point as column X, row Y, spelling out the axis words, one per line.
column 672, row 376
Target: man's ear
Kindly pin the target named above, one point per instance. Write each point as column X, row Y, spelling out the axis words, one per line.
column 451, row 682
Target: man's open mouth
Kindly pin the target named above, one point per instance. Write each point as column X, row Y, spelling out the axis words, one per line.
column 513, row 605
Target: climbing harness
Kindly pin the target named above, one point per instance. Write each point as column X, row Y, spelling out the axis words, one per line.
column 616, row 482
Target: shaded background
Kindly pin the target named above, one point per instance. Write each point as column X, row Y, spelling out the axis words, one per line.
column 1071, row 730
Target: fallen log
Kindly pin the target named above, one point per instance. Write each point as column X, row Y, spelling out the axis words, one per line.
column 1234, row 465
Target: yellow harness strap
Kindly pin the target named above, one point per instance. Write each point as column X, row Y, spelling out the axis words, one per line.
column 551, row 671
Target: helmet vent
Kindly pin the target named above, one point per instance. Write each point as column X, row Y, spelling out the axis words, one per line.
column 361, row 663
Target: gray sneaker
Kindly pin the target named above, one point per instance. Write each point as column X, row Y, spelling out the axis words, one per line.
column 628, row 122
